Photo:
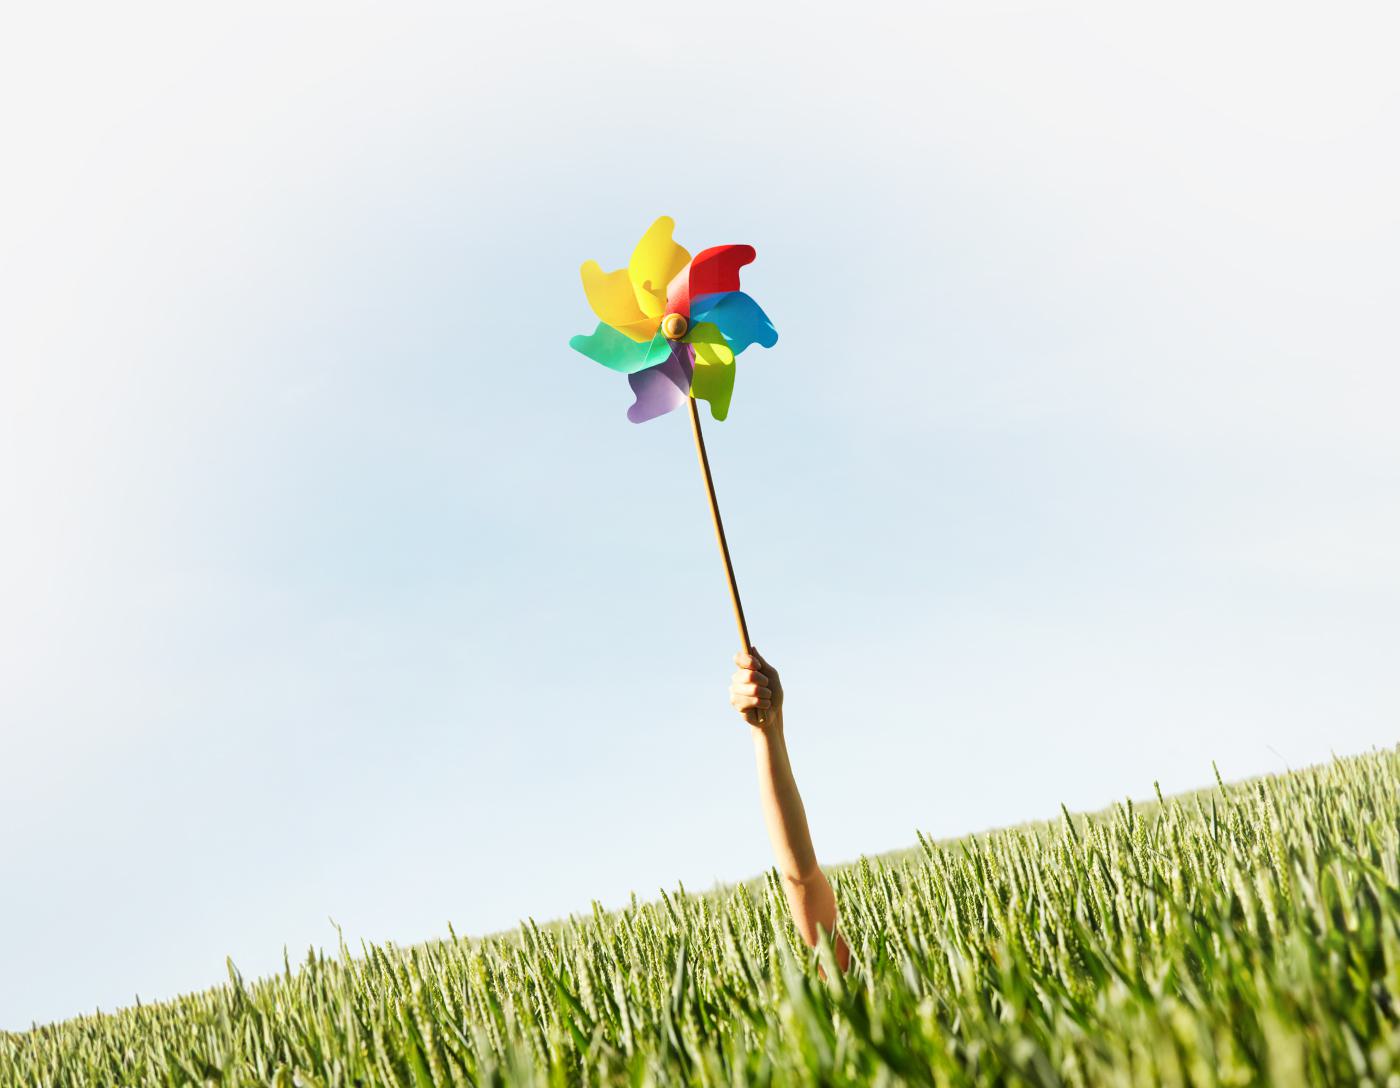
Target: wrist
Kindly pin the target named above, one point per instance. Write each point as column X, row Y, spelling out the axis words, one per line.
column 771, row 727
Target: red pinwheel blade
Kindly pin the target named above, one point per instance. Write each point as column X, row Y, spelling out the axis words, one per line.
column 709, row 272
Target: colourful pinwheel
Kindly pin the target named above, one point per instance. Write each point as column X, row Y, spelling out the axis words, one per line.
column 672, row 323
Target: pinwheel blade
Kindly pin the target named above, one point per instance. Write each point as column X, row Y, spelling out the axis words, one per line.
column 621, row 353
column 611, row 296
column 738, row 316
column 662, row 388
column 713, row 379
column 710, row 271
column 654, row 264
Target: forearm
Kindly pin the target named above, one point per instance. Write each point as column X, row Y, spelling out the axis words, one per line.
column 782, row 805
column 809, row 893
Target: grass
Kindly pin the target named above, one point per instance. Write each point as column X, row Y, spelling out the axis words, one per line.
column 1245, row 935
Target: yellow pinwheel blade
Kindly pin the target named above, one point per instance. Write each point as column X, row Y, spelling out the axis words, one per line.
column 613, row 300
column 654, row 263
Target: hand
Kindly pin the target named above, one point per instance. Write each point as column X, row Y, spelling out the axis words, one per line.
column 756, row 692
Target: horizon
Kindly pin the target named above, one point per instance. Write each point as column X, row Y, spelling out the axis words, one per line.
column 720, row 887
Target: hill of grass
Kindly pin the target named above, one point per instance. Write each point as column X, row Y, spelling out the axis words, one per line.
column 1248, row 935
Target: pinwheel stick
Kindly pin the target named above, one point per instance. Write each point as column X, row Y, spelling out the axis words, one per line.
column 719, row 525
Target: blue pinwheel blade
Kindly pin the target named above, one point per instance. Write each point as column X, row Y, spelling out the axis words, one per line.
column 738, row 317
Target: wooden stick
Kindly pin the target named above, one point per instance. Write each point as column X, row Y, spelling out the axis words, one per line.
column 719, row 525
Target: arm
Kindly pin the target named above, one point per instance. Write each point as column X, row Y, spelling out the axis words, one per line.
column 757, row 693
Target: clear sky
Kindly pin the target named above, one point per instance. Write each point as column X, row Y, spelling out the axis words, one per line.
column 333, row 585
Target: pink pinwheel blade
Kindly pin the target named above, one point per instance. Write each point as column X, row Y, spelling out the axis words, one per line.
column 664, row 387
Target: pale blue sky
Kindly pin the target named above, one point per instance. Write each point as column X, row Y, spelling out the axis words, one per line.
column 333, row 585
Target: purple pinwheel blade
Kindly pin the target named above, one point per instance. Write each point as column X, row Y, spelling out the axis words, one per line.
column 664, row 387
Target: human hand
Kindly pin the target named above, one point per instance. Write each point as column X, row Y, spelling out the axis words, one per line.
column 756, row 691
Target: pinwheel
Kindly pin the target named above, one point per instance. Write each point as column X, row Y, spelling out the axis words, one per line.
column 674, row 325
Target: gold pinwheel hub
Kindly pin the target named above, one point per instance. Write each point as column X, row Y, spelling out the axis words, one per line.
column 673, row 326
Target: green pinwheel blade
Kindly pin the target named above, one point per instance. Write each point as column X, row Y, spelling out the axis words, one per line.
column 619, row 352
column 713, row 379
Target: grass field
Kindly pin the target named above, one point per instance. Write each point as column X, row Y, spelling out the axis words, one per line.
column 1245, row 935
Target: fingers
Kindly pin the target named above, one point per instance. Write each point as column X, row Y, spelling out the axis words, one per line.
column 755, row 661
column 754, row 688
column 746, row 694
column 750, row 685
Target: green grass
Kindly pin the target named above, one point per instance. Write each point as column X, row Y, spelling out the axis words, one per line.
column 1245, row 935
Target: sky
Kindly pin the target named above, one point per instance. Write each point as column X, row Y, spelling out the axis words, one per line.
column 335, row 590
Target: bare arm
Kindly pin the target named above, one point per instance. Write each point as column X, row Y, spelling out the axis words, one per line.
column 757, row 693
